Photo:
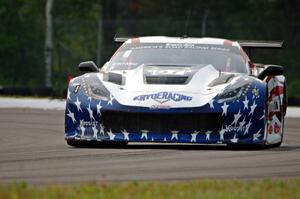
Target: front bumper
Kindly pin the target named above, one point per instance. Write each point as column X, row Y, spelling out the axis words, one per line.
column 240, row 121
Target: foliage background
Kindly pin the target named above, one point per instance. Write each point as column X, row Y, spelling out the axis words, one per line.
column 84, row 30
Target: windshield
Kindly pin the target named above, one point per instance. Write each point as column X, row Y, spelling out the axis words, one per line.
column 224, row 58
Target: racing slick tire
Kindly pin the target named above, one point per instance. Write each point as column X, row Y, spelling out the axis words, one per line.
column 95, row 144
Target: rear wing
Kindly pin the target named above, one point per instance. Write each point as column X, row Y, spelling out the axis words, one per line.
column 246, row 44
column 243, row 43
column 249, row 45
column 120, row 40
column 261, row 44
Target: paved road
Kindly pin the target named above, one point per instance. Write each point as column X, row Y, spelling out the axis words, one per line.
column 32, row 148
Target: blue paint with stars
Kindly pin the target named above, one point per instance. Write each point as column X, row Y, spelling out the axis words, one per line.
column 243, row 120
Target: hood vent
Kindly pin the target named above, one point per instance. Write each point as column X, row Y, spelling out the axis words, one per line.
column 114, row 78
column 166, row 79
column 221, row 80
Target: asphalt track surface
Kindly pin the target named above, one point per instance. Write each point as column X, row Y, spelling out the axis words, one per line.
column 32, row 148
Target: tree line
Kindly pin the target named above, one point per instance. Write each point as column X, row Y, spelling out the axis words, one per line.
column 84, row 30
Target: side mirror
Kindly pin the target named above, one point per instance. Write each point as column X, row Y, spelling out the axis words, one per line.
column 270, row 70
column 88, row 66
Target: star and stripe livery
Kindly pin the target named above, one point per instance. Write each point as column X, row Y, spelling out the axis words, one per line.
column 241, row 110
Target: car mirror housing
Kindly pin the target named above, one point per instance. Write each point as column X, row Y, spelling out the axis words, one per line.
column 272, row 70
column 88, row 66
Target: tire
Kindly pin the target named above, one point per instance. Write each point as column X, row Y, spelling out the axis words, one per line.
column 232, row 146
column 96, row 144
column 75, row 143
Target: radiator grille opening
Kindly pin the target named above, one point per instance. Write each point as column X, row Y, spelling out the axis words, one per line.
column 157, row 122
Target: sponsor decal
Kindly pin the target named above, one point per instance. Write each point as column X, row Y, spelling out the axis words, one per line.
column 163, row 97
column 159, row 71
column 234, row 128
column 195, row 46
column 276, row 128
column 255, row 92
column 76, row 88
column 160, row 106
column 270, row 130
column 275, row 104
column 88, row 123
column 121, row 64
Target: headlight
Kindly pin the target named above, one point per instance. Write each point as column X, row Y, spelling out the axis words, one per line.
column 234, row 92
column 231, row 94
column 94, row 88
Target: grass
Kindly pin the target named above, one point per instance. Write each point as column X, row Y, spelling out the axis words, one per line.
column 266, row 188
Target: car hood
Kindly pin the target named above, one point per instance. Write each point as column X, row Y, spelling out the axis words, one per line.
column 167, row 86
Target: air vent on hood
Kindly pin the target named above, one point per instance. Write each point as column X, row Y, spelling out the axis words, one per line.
column 166, row 79
column 221, row 80
column 114, row 78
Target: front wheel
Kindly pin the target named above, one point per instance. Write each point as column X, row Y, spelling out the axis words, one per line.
column 96, row 144
column 233, row 146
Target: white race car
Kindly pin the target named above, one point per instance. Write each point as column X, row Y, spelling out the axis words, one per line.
column 178, row 90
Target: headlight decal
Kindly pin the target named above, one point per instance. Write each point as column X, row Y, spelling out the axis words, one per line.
column 234, row 92
column 94, row 88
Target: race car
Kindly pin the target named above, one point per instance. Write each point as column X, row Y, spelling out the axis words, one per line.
column 178, row 90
